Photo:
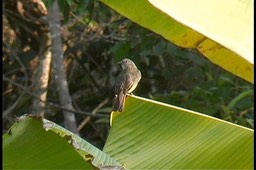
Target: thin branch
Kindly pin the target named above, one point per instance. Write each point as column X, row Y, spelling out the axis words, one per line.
column 53, row 104
column 75, row 20
column 93, row 113
column 13, row 106
column 14, row 71
column 94, row 81
column 23, row 68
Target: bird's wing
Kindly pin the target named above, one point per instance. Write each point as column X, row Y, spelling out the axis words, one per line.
column 124, row 83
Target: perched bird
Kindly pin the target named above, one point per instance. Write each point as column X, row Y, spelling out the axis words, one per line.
column 126, row 82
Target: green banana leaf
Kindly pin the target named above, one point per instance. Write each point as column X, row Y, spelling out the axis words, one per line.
column 221, row 30
column 36, row 143
column 147, row 135
column 153, row 135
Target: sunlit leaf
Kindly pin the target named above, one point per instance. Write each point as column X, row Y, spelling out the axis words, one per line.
column 221, row 30
column 153, row 135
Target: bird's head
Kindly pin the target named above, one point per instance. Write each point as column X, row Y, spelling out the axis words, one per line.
column 126, row 63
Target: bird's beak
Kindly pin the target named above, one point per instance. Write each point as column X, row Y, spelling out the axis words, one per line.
column 119, row 63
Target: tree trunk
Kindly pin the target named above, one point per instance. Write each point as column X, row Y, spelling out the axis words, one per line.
column 58, row 68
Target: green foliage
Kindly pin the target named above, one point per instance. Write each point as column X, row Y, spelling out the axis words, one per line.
column 187, row 24
column 185, row 78
column 147, row 135
column 95, row 38
column 152, row 135
column 27, row 145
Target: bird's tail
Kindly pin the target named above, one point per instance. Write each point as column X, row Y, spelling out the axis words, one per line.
column 119, row 102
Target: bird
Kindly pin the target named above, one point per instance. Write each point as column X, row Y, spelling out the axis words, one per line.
column 126, row 82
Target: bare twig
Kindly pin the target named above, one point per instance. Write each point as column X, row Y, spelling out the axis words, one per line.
column 75, row 19
column 10, row 109
column 50, row 103
column 23, row 68
column 14, row 71
column 87, row 71
column 87, row 119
